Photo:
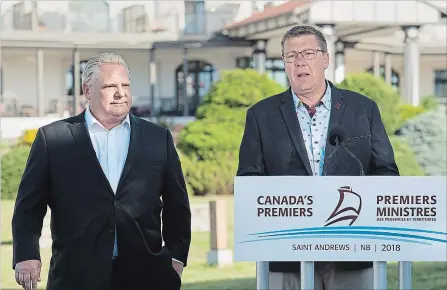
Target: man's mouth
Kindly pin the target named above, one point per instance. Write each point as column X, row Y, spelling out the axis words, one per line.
column 301, row 75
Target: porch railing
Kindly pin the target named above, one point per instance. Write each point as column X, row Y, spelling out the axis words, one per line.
column 162, row 106
column 94, row 17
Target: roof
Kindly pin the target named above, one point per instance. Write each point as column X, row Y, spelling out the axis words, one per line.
column 269, row 12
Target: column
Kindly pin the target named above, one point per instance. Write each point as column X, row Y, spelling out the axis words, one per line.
column 376, row 64
column 329, row 33
column 185, row 82
column 259, row 55
column 76, row 81
column 34, row 16
column 411, row 65
column 152, row 80
column 339, row 74
column 388, row 68
column 39, row 81
column 1, row 76
column 220, row 254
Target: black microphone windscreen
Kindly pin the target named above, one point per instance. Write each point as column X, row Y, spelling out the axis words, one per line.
column 337, row 135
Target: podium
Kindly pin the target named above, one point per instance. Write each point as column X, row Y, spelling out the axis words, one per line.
column 340, row 218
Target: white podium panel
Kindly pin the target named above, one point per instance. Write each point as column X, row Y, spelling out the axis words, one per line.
column 364, row 218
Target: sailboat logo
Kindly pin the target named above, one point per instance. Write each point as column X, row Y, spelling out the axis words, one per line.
column 348, row 207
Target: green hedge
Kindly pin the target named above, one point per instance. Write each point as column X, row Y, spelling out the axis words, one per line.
column 387, row 99
column 408, row 112
column 405, row 158
column 12, row 164
column 211, row 143
column 427, row 136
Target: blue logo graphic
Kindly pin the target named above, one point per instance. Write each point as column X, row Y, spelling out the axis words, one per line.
column 407, row 235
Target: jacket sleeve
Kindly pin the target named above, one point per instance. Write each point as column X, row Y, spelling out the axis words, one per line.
column 251, row 158
column 176, row 214
column 382, row 160
column 31, row 203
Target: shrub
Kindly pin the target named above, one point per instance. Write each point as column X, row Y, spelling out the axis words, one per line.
column 13, row 164
column 211, row 143
column 408, row 112
column 426, row 135
column 383, row 94
column 429, row 102
column 187, row 167
column 211, row 176
column 405, row 159
column 237, row 89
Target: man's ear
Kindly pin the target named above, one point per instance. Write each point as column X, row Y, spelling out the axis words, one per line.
column 86, row 91
column 326, row 60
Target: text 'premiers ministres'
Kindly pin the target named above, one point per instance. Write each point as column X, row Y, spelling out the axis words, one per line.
column 403, row 208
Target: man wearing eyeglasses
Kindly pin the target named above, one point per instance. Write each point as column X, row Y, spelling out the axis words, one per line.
column 286, row 134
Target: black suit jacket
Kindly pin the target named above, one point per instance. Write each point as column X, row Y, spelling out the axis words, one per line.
column 63, row 172
column 273, row 145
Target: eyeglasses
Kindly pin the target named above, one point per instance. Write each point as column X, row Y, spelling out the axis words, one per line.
column 307, row 54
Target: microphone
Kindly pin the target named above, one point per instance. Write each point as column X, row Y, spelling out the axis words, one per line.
column 338, row 136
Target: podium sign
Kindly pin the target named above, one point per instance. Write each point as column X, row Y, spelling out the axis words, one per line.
column 340, row 218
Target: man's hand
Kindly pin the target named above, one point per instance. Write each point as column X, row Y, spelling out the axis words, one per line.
column 178, row 267
column 28, row 274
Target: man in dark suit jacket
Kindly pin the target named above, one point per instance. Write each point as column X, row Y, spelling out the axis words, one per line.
column 286, row 134
column 115, row 188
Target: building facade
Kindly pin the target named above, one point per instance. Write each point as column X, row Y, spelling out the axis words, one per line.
column 44, row 46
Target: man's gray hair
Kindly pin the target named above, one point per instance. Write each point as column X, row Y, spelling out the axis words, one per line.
column 94, row 64
column 301, row 30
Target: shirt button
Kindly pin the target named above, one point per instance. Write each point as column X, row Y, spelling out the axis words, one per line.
column 111, row 230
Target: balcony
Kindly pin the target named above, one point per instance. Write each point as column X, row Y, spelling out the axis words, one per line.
column 162, row 106
column 23, row 24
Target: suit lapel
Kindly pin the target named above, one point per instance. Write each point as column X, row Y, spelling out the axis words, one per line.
column 338, row 106
column 289, row 114
column 133, row 151
column 80, row 133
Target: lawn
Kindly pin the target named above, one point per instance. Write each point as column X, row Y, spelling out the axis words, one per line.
column 198, row 275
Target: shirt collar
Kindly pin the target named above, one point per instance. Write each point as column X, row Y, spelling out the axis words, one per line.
column 325, row 100
column 90, row 120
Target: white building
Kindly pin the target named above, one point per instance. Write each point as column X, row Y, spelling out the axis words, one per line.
column 403, row 41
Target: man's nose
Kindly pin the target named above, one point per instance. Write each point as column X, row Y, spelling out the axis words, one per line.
column 300, row 61
column 120, row 93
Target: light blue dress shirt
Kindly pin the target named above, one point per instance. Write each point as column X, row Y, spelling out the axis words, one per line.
column 314, row 128
column 111, row 147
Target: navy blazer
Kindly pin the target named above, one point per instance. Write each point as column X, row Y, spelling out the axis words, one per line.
column 63, row 173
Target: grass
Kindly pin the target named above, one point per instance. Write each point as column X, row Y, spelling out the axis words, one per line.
column 198, row 275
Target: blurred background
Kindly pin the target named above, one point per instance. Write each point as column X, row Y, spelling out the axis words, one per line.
column 196, row 66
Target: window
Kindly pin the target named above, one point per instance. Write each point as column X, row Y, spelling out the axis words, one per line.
column 69, row 78
column 441, row 84
column 195, row 17
column 274, row 67
column 201, row 76
column 395, row 79
column 89, row 16
column 135, row 19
